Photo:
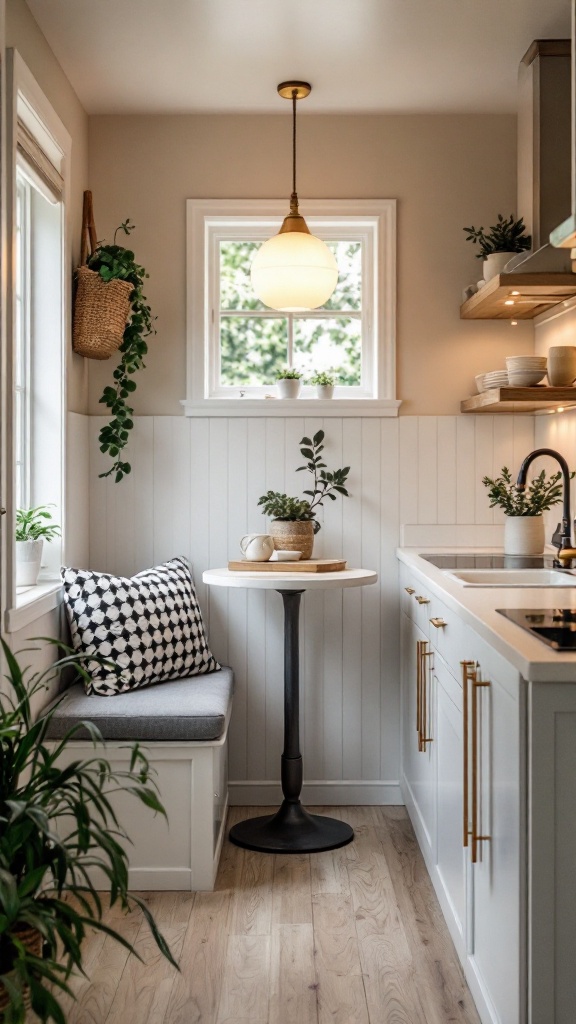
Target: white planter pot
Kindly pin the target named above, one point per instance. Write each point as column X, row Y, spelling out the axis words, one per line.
column 28, row 559
column 288, row 387
column 523, row 535
column 495, row 263
column 325, row 391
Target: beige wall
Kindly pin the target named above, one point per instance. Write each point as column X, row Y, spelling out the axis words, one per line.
column 445, row 171
column 23, row 34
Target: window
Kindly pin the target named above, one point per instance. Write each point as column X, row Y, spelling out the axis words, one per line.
column 37, row 323
column 236, row 344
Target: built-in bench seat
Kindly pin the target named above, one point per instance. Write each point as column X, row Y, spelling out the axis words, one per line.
column 183, row 726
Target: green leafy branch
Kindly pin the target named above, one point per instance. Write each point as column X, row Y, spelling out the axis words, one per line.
column 115, row 262
column 541, row 495
column 505, row 236
column 326, row 485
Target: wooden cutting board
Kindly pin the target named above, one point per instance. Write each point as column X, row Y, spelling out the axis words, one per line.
column 309, row 565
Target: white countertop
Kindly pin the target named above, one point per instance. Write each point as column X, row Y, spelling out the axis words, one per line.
column 477, row 607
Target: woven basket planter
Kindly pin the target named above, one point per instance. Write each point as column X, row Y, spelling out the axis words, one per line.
column 32, row 940
column 101, row 311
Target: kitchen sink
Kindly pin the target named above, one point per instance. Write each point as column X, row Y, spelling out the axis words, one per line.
column 512, row 577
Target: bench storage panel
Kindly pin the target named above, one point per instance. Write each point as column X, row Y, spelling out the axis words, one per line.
column 191, row 773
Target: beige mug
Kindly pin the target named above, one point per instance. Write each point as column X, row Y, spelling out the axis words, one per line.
column 257, row 547
column 561, row 365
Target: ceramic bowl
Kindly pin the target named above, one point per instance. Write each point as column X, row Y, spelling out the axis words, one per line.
column 286, row 556
column 526, row 378
column 479, row 378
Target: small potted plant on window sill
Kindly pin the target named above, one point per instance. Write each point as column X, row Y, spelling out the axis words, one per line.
column 33, row 527
column 294, row 520
column 288, row 383
column 503, row 241
column 324, row 384
column 523, row 523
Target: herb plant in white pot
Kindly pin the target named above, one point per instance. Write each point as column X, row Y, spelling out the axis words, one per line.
column 33, row 527
column 324, row 384
column 524, row 523
column 288, row 383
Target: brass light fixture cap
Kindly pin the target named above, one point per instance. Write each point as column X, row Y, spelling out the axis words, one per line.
column 286, row 89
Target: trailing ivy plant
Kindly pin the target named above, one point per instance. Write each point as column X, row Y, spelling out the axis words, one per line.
column 115, row 262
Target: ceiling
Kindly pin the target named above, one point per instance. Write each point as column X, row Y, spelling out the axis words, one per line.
column 370, row 56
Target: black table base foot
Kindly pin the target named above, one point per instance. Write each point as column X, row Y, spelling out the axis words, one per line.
column 291, row 830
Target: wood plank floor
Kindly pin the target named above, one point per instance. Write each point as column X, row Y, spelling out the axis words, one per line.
column 353, row 936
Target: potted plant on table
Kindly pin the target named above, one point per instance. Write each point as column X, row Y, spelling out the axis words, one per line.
column 55, row 823
column 33, row 527
column 288, row 383
column 324, row 384
column 294, row 520
column 503, row 240
column 523, row 524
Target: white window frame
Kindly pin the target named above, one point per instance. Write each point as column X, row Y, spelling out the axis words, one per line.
column 373, row 222
column 25, row 101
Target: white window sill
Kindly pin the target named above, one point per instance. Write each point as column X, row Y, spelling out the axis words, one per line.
column 32, row 603
column 284, row 407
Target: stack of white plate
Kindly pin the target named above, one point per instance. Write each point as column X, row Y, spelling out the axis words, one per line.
column 495, row 379
column 525, row 371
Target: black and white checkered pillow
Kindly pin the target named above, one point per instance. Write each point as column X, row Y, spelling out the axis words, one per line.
column 149, row 625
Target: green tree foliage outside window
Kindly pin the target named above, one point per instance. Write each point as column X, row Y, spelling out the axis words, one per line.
column 254, row 348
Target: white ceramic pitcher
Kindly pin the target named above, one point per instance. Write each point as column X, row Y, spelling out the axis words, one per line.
column 257, row 547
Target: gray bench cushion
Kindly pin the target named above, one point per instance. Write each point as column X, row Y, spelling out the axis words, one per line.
column 184, row 709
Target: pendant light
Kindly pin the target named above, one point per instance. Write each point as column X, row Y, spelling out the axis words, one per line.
column 294, row 271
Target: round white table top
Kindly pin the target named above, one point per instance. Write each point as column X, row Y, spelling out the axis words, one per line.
column 289, row 580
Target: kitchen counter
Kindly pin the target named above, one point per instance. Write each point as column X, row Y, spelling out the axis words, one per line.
column 477, row 607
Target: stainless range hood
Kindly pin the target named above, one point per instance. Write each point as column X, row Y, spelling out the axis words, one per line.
column 544, row 152
column 564, row 236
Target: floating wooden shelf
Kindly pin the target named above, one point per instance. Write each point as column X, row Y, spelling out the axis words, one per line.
column 521, row 400
column 536, row 293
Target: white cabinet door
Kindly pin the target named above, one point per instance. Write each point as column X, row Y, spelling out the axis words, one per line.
column 494, row 812
column 418, row 744
column 452, row 857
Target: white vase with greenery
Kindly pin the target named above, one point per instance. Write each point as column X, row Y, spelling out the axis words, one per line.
column 288, row 383
column 523, row 509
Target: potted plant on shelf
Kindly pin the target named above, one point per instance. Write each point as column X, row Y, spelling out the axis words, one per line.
column 288, row 383
column 324, row 384
column 503, row 240
column 294, row 520
column 55, row 823
column 523, row 523
column 33, row 527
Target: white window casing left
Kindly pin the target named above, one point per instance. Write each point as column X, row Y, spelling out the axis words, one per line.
column 36, row 328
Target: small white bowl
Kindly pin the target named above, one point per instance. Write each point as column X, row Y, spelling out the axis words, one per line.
column 526, row 378
column 479, row 378
column 286, row 556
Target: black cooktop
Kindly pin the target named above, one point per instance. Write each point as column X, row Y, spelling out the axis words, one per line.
column 554, row 626
column 475, row 561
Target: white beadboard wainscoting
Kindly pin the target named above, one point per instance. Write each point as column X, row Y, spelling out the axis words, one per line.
column 193, row 490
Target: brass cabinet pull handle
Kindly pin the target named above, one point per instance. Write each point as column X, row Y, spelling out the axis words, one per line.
column 422, row 600
column 438, row 623
column 468, row 674
column 421, row 694
column 410, row 590
column 476, row 837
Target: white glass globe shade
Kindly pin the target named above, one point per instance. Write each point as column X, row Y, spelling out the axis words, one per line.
column 294, row 271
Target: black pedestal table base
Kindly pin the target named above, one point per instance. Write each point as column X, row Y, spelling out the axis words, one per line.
column 291, row 829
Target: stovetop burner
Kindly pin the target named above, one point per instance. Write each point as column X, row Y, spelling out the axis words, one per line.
column 554, row 626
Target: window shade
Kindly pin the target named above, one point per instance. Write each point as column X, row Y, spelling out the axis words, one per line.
column 42, row 170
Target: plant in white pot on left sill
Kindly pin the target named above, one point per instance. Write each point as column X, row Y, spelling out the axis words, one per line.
column 523, row 524
column 33, row 527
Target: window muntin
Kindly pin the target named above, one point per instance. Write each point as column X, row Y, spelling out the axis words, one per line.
column 22, row 448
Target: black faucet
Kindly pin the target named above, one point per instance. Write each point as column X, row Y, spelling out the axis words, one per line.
column 563, row 535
